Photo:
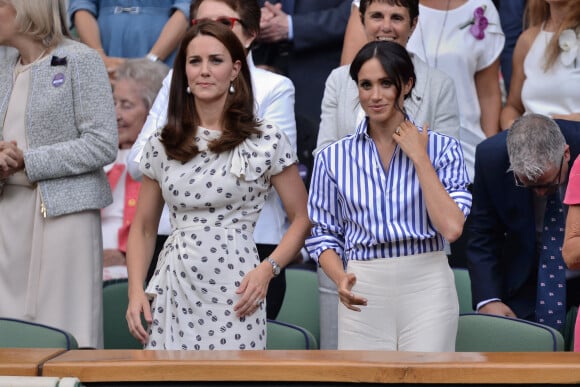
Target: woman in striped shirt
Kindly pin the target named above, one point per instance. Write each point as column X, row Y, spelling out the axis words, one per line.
column 382, row 201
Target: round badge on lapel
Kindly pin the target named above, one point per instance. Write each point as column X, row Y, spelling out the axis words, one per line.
column 58, row 80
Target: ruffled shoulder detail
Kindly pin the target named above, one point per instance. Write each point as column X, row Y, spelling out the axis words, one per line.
column 264, row 154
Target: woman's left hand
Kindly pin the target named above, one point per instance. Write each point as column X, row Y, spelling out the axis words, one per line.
column 253, row 289
column 411, row 141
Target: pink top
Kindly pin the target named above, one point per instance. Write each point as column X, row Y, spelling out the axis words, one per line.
column 573, row 191
column 572, row 198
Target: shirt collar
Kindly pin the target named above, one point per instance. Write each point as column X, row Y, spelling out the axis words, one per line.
column 250, row 61
column 361, row 129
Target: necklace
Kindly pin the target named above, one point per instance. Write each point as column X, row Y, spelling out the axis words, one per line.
column 20, row 68
column 438, row 40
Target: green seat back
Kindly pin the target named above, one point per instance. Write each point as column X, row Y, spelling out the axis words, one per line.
column 16, row 333
column 282, row 335
column 463, row 286
column 489, row 333
column 301, row 305
column 115, row 302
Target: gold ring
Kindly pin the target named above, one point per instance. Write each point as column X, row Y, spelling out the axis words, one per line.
column 398, row 131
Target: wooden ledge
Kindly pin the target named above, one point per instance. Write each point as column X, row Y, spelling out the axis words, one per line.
column 25, row 361
column 316, row 366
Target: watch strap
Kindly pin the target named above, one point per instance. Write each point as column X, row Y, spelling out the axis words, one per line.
column 275, row 266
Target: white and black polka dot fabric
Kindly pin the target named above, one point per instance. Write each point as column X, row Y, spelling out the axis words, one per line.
column 214, row 200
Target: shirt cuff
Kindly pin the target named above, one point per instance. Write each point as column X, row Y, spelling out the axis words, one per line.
column 290, row 28
column 485, row 302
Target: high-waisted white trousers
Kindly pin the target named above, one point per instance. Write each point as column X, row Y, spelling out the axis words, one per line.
column 412, row 305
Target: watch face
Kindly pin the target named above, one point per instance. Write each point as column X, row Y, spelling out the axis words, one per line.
column 275, row 266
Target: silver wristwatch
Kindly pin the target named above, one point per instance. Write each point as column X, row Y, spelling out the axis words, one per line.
column 275, row 267
column 152, row 57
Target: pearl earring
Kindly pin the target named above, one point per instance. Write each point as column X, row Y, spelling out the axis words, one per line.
column 232, row 89
column 188, row 90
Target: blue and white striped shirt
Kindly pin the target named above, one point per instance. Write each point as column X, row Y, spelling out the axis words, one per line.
column 363, row 211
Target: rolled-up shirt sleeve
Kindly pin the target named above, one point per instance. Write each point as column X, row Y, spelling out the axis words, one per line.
column 324, row 209
column 183, row 6
column 85, row 5
column 453, row 174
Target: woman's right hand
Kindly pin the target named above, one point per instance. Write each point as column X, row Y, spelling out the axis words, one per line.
column 412, row 141
column 347, row 297
column 11, row 158
column 111, row 64
column 138, row 303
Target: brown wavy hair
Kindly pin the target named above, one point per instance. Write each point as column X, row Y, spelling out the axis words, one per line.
column 572, row 21
column 178, row 136
column 536, row 13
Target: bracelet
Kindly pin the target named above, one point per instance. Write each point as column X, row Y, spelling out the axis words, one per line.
column 152, row 57
column 275, row 266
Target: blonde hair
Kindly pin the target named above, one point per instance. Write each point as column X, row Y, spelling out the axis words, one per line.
column 571, row 21
column 43, row 20
column 538, row 13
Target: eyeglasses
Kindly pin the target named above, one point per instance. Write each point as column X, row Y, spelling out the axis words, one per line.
column 229, row 22
column 554, row 183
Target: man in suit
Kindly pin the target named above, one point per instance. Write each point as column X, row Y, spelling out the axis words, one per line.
column 303, row 40
column 514, row 173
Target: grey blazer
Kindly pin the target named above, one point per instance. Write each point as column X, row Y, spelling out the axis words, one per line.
column 70, row 126
column 432, row 100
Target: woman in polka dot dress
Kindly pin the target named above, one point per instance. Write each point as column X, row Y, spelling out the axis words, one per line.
column 214, row 164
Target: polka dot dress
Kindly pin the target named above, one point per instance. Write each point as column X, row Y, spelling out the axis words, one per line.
column 214, row 201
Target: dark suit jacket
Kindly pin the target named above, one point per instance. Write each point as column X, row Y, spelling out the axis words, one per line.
column 501, row 251
column 319, row 27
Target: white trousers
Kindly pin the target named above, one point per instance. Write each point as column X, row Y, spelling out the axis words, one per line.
column 412, row 305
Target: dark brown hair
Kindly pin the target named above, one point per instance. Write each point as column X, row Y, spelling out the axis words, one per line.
column 411, row 5
column 182, row 117
column 249, row 11
column 394, row 60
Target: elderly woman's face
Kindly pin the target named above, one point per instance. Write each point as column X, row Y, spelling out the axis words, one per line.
column 215, row 9
column 130, row 109
column 7, row 23
column 387, row 22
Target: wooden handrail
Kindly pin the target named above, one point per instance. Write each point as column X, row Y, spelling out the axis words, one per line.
column 25, row 361
column 316, row 366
